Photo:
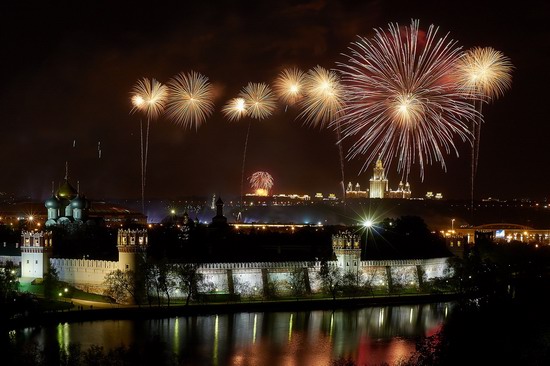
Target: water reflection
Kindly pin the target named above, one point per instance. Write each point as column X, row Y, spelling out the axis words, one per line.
column 369, row 335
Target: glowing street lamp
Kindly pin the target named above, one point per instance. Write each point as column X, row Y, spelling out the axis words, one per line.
column 367, row 224
column 453, row 225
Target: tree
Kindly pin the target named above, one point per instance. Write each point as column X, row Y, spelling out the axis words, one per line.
column 331, row 279
column 350, row 284
column 51, row 283
column 9, row 287
column 166, row 280
column 297, row 282
column 122, row 286
column 152, row 285
column 8, row 283
column 189, row 279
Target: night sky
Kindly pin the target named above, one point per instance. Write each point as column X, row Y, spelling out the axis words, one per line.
column 67, row 73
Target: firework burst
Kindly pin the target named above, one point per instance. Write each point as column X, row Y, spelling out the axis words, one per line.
column 289, row 85
column 235, row 109
column 322, row 104
column 259, row 99
column 485, row 72
column 190, row 99
column 324, row 97
column 148, row 97
column 261, row 180
column 400, row 100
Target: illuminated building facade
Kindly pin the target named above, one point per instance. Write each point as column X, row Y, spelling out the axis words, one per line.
column 378, row 187
column 378, row 182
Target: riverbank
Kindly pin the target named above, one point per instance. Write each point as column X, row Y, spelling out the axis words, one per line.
column 81, row 314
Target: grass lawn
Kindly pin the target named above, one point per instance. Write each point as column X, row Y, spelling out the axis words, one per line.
column 37, row 289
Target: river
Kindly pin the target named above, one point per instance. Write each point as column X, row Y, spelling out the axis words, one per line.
column 370, row 335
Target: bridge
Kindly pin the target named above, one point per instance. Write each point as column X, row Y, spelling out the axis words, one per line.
column 505, row 232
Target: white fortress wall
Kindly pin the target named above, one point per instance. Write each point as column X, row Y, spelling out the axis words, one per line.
column 248, row 282
column 253, row 278
column 437, row 267
column 83, row 272
column 404, row 275
column 215, row 280
column 374, row 276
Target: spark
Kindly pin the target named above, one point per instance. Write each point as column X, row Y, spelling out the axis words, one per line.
column 323, row 100
column 149, row 97
column 190, row 99
column 484, row 74
column 484, row 71
column 259, row 99
column 289, row 85
column 235, row 109
column 261, row 181
column 400, row 100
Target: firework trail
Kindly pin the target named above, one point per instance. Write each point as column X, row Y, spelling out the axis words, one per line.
column 257, row 101
column 322, row 104
column 261, row 180
column 400, row 100
column 190, row 99
column 148, row 97
column 485, row 75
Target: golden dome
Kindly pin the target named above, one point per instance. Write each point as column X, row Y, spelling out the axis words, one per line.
column 66, row 191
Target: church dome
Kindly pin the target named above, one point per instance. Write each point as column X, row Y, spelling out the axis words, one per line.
column 78, row 202
column 52, row 202
column 66, row 191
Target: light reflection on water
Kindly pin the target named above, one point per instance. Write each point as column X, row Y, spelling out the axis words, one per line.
column 370, row 335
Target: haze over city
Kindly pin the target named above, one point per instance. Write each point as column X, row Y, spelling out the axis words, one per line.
column 68, row 72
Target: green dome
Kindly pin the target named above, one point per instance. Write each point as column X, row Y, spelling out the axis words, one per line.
column 78, row 202
column 52, row 202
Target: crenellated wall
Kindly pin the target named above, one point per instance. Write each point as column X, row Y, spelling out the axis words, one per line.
column 248, row 279
column 85, row 274
column 254, row 278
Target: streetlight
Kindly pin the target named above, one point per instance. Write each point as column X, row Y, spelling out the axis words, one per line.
column 453, row 225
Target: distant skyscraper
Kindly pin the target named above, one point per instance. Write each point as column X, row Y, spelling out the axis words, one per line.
column 379, row 182
column 379, row 186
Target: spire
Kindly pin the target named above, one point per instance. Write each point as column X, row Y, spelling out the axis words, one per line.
column 66, row 170
column 53, row 189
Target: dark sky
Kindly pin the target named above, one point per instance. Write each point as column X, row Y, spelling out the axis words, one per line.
column 67, row 72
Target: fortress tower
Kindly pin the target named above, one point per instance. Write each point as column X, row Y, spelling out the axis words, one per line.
column 347, row 248
column 132, row 245
column 36, row 250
